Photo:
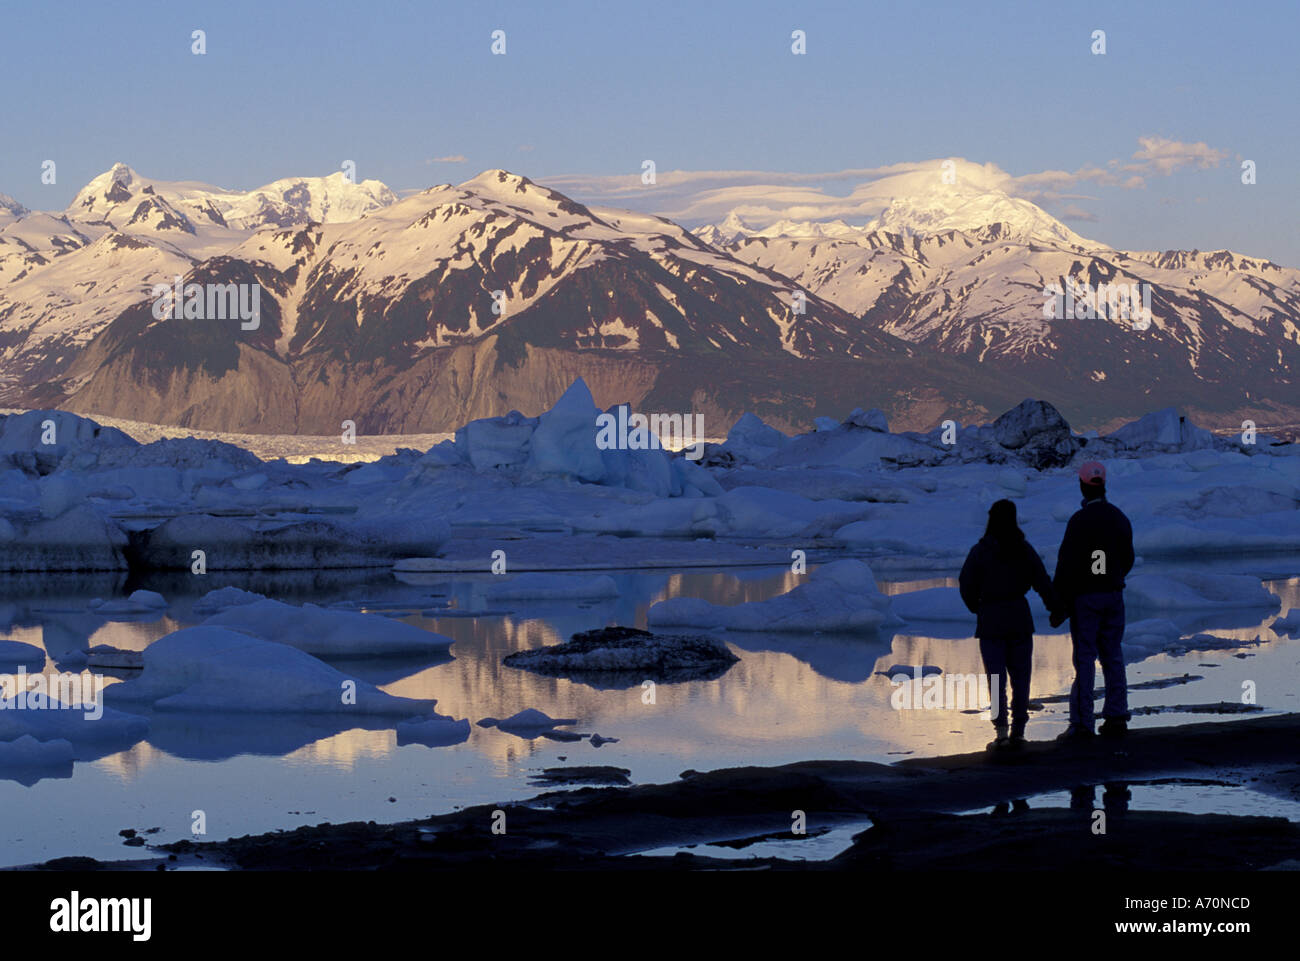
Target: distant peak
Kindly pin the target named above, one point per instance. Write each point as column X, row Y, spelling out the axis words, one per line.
column 119, row 173
column 496, row 178
column 8, row 203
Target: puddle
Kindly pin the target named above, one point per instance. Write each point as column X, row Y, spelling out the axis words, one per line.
column 810, row 847
column 1186, row 796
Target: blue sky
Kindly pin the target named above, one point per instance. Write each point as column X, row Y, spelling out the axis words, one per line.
column 592, row 89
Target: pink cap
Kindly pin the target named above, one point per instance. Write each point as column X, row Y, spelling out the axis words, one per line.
column 1092, row 472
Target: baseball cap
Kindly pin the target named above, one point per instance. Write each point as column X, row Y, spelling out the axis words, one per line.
column 1092, row 472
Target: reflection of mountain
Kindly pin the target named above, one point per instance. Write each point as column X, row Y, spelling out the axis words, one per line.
column 1053, row 669
column 790, row 696
column 836, row 657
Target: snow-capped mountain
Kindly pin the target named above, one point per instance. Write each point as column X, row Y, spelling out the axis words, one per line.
column 10, row 210
column 470, row 300
column 123, row 198
column 978, row 280
column 733, row 228
column 931, row 200
column 65, row 276
column 499, row 283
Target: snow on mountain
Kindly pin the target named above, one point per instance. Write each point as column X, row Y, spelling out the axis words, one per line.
column 964, row 269
column 498, row 290
column 10, row 210
column 926, row 202
column 970, row 210
column 983, row 292
column 422, row 273
column 514, row 273
column 64, row 277
column 124, row 198
column 733, row 228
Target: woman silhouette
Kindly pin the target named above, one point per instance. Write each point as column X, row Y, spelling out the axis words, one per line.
column 998, row 573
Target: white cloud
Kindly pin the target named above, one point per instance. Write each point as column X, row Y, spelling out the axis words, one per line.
column 762, row 197
column 1162, row 156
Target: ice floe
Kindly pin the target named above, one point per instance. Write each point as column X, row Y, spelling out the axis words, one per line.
column 328, row 633
column 528, row 723
column 434, row 731
column 214, row 669
column 15, row 654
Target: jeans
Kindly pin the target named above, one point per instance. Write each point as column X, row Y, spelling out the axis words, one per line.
column 1097, row 628
column 1003, row 657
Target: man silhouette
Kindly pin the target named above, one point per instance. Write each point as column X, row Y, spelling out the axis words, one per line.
column 1095, row 556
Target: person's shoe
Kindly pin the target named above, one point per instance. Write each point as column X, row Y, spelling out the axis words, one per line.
column 1017, row 741
column 1000, row 742
column 1076, row 733
column 1113, row 727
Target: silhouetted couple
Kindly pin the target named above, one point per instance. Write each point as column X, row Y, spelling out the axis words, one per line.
column 1095, row 556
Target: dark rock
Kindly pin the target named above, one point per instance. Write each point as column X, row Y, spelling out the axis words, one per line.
column 595, row 774
column 1038, row 432
column 624, row 657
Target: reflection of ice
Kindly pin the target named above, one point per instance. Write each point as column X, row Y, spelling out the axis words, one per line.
column 217, row 737
column 791, row 697
column 27, row 760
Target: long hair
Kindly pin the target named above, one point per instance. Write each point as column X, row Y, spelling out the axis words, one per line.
column 1002, row 526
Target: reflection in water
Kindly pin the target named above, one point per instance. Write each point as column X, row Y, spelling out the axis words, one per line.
column 1115, row 798
column 791, row 697
column 1186, row 795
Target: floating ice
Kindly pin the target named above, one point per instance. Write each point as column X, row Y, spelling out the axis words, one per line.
column 1289, row 625
column 213, row 669
column 1162, row 430
column 105, row 655
column 528, row 723
column 224, row 597
column 140, row 602
column 1195, row 590
column 14, row 654
column 27, row 751
column 434, row 731
column 932, row 604
column 752, row 440
column 328, row 633
column 80, row 539
column 1145, row 638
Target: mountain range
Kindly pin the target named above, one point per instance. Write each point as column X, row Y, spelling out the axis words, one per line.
column 417, row 314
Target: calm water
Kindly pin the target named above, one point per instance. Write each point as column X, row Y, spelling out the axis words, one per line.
column 791, row 697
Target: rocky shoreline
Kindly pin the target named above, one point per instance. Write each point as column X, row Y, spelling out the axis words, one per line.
column 914, row 809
